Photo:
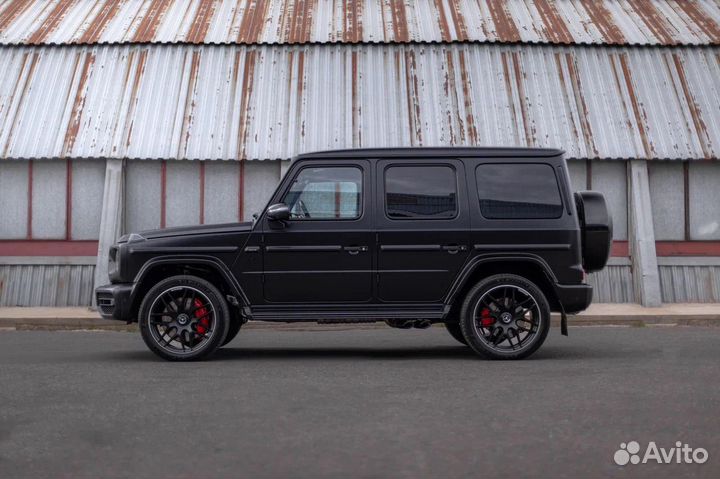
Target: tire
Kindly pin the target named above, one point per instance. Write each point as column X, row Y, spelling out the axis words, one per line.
column 456, row 332
column 184, row 318
column 233, row 330
column 503, row 309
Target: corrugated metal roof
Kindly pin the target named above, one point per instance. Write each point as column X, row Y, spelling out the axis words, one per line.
column 229, row 102
column 642, row 22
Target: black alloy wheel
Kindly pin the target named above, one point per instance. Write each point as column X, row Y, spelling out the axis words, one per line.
column 184, row 318
column 505, row 317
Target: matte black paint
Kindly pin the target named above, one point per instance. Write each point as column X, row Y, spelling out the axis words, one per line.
column 371, row 267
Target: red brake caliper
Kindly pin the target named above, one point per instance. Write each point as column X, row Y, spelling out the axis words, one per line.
column 485, row 318
column 203, row 316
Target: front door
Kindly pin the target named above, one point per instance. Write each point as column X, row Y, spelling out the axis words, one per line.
column 423, row 229
column 323, row 253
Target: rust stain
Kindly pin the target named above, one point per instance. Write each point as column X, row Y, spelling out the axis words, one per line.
column 554, row 27
column 467, row 98
column 655, row 21
column 12, row 11
column 413, row 100
column 531, row 135
column 50, row 24
column 356, row 105
column 703, row 21
column 253, row 21
column 442, row 21
column 565, row 89
column 638, row 112
column 139, row 71
column 510, row 95
column 202, row 20
column 189, row 104
column 451, row 94
column 246, row 92
column 695, row 112
column 300, row 28
column 25, row 88
column 96, row 28
column 399, row 21
column 581, row 105
column 505, row 27
column 151, row 21
column 459, row 21
column 603, row 20
column 78, row 104
column 353, row 29
column 301, row 89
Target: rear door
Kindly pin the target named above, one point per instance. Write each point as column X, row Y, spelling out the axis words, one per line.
column 423, row 228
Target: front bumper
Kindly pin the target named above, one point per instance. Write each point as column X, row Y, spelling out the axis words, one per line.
column 114, row 300
column 574, row 297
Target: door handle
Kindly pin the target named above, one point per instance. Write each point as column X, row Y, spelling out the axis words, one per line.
column 355, row 249
column 454, row 248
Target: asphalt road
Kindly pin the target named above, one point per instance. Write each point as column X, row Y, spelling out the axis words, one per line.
column 364, row 403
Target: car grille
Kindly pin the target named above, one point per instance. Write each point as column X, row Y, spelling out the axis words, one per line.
column 106, row 303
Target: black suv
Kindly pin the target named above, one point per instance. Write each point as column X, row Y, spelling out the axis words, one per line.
column 487, row 241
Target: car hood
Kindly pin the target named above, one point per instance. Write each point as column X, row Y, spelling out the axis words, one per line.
column 192, row 230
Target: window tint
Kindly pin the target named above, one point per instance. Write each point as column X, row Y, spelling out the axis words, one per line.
column 519, row 191
column 325, row 193
column 420, row 192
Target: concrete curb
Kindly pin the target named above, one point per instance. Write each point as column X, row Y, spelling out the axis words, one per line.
column 627, row 315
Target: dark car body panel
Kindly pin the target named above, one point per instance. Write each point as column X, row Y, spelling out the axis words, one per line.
column 373, row 266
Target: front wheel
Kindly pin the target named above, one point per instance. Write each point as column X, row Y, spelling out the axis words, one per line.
column 505, row 317
column 184, row 318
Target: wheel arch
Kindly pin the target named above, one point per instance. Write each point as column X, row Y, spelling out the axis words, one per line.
column 532, row 268
column 208, row 268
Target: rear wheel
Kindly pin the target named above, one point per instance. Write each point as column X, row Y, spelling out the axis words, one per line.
column 505, row 317
column 456, row 332
column 184, row 318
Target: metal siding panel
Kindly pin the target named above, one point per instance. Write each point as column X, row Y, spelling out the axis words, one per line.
column 231, row 102
column 48, row 199
column 667, row 195
column 142, row 195
column 283, row 21
column 613, row 285
column 690, row 284
column 610, row 178
column 261, row 179
column 13, row 199
column 88, row 180
column 46, row 285
column 221, row 192
column 183, row 193
column 704, row 186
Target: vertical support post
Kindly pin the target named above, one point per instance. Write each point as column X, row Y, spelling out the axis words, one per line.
column 111, row 219
column 646, row 278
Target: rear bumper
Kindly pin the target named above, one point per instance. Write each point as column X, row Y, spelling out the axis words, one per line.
column 574, row 297
column 113, row 301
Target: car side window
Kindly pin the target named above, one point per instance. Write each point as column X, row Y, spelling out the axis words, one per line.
column 518, row 191
column 413, row 192
column 323, row 193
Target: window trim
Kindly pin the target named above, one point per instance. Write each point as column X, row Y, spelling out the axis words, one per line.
column 557, row 184
column 361, row 211
column 415, row 165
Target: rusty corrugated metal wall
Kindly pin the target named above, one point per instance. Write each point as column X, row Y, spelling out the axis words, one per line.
column 273, row 102
column 637, row 22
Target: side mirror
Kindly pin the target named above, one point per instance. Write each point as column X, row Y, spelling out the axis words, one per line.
column 278, row 212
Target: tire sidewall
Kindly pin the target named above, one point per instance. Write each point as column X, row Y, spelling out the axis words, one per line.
column 222, row 316
column 467, row 319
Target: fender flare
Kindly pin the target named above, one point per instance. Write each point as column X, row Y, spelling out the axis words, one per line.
column 210, row 261
column 474, row 263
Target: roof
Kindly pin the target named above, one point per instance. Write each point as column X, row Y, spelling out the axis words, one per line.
column 616, row 22
column 237, row 102
column 433, row 152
